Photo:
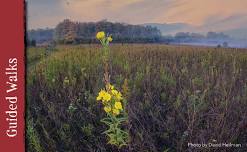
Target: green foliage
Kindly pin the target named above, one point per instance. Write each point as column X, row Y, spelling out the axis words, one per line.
column 167, row 78
column 87, row 129
column 32, row 138
column 116, row 135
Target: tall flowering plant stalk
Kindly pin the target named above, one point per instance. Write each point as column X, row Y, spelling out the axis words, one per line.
column 112, row 100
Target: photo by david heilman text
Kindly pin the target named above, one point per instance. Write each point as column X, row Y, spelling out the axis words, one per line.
column 214, row 145
column 11, row 97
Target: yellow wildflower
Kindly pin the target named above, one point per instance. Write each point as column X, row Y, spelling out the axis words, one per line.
column 104, row 102
column 114, row 92
column 66, row 80
column 107, row 109
column 119, row 96
column 98, row 98
column 109, row 38
column 118, row 105
column 100, row 35
column 106, row 96
column 116, row 111
column 101, row 94
column 109, row 86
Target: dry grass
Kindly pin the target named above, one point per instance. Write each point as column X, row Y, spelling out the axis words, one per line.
column 178, row 94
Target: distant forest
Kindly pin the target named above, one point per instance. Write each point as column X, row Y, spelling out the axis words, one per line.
column 69, row 32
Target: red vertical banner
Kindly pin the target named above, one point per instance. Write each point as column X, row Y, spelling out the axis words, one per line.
column 12, row 80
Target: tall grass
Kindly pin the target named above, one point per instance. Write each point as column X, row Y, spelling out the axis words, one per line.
column 177, row 94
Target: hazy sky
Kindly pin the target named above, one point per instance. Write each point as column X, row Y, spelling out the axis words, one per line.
column 227, row 13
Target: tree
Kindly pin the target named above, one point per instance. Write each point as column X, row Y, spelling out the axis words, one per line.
column 33, row 43
column 225, row 44
column 66, row 32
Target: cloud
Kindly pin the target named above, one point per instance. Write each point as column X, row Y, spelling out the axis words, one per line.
column 195, row 12
column 199, row 12
column 132, row 11
column 44, row 13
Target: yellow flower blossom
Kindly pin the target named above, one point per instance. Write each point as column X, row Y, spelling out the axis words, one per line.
column 107, row 109
column 100, row 35
column 110, row 94
column 106, row 97
column 119, row 96
column 109, row 38
column 116, row 111
column 114, row 92
column 101, row 94
column 66, row 80
column 98, row 98
column 109, row 86
column 118, row 105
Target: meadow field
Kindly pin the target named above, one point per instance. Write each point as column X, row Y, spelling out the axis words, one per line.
column 175, row 95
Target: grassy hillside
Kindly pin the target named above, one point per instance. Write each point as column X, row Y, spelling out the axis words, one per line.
column 176, row 95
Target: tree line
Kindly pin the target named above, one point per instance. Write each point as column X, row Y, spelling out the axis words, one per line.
column 70, row 32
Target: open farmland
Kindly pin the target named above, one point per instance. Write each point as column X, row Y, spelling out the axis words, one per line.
column 176, row 95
